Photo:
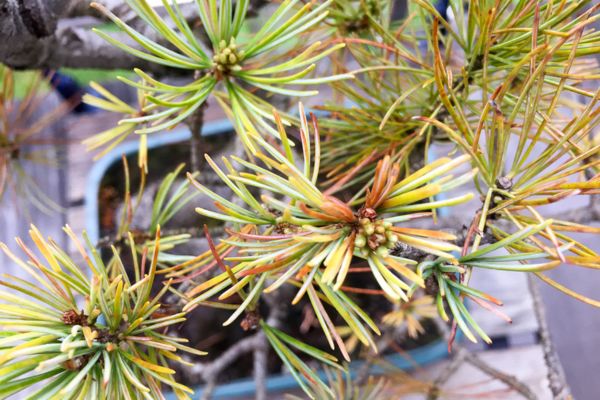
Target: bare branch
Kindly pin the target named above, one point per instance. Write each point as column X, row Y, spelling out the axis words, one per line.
column 457, row 360
column 556, row 376
column 260, row 368
column 39, row 38
column 462, row 355
column 508, row 380
column 256, row 343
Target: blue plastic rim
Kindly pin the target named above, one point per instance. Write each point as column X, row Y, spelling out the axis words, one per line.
column 99, row 169
column 422, row 356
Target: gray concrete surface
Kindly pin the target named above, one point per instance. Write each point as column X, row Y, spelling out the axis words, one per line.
column 18, row 212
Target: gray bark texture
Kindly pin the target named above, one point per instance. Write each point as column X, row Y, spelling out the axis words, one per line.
column 52, row 34
column 56, row 33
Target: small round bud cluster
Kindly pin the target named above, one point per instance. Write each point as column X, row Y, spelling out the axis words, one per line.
column 359, row 19
column 72, row 317
column 375, row 236
column 228, row 57
column 285, row 228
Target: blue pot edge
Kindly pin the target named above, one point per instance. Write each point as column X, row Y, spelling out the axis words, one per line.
column 419, row 357
column 97, row 172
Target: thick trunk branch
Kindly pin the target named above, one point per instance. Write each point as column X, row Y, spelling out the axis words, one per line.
column 37, row 34
column 34, row 34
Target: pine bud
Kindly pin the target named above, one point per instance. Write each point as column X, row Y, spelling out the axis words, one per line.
column 382, row 251
column 391, row 237
column 360, row 241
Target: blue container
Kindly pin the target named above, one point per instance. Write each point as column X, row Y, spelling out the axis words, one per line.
column 424, row 355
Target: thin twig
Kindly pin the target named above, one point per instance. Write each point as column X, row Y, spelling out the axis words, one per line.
column 462, row 355
column 208, row 390
column 256, row 343
column 260, row 369
column 508, row 380
column 387, row 337
column 556, row 376
column 197, row 143
column 457, row 359
column 211, row 371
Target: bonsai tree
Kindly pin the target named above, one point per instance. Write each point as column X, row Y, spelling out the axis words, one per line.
column 340, row 210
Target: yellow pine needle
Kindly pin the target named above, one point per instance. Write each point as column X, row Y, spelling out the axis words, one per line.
column 396, row 283
column 567, row 291
column 425, row 233
column 413, row 196
column 213, row 282
column 315, row 198
column 89, row 335
column 428, row 243
column 127, row 109
column 81, row 249
column 44, row 248
column 405, row 271
column 422, row 172
column 176, row 358
column 317, row 238
column 235, row 288
column 579, row 185
column 385, row 286
column 345, row 265
column 149, row 365
column 333, row 262
column 9, row 353
column 585, row 261
column 283, row 135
